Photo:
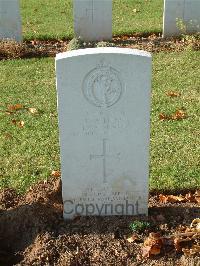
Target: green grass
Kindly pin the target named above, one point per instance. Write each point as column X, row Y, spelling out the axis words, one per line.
column 175, row 145
column 53, row 19
column 30, row 153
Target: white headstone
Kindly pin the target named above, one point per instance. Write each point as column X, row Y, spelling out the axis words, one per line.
column 10, row 20
column 104, row 117
column 180, row 17
column 93, row 19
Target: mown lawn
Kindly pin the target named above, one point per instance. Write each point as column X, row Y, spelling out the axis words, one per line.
column 31, row 152
column 53, row 19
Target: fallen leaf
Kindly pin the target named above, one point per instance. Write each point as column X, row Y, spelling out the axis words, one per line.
column 177, row 244
column 56, row 173
column 180, row 114
column 163, row 117
column 15, row 107
column 196, row 224
column 21, row 124
column 190, row 197
column 18, row 123
column 8, row 112
column 32, row 110
column 173, row 94
column 171, row 198
column 197, row 196
column 152, row 245
column 195, row 249
column 132, row 238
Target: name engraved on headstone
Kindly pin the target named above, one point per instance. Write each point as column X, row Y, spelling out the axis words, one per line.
column 95, row 123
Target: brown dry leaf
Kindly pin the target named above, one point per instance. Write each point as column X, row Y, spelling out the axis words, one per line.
column 163, row 117
column 173, row 94
column 195, row 249
column 195, row 224
column 180, row 114
column 56, row 173
column 14, row 121
column 190, row 197
column 8, row 113
column 163, row 198
column 21, row 124
column 177, row 244
column 132, row 238
column 15, row 107
column 32, row 110
column 152, row 245
column 170, row 198
column 18, row 123
column 197, row 196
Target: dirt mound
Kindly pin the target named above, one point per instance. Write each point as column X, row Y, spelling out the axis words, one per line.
column 33, row 232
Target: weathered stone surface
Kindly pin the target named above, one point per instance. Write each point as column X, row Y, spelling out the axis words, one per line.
column 181, row 17
column 93, row 19
column 10, row 20
column 104, row 117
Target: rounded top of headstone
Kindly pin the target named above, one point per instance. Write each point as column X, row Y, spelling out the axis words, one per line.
column 103, row 50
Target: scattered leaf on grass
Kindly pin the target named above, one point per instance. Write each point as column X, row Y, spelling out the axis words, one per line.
column 15, row 107
column 32, row 110
column 173, row 94
column 18, row 123
column 163, row 117
column 180, row 114
column 56, row 173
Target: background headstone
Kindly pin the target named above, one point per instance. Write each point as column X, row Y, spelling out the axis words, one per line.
column 10, row 20
column 180, row 17
column 93, row 19
column 104, row 117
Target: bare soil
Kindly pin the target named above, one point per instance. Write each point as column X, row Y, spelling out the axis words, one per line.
column 33, row 232
column 49, row 48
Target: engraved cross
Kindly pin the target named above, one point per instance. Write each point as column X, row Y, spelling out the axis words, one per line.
column 103, row 156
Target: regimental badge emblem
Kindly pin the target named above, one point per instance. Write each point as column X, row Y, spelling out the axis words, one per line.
column 103, row 86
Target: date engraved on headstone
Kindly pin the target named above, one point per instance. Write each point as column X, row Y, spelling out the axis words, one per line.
column 103, row 86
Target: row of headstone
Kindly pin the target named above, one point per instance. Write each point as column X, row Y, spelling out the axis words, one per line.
column 93, row 19
column 104, row 121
